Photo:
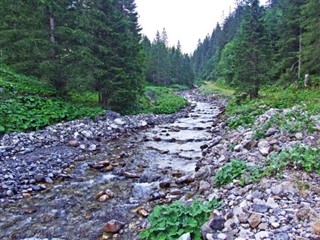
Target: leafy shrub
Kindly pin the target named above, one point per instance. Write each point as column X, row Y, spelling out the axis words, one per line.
column 243, row 115
column 22, row 84
column 23, row 113
column 274, row 96
column 299, row 157
column 172, row 221
column 163, row 100
column 230, row 171
column 292, row 122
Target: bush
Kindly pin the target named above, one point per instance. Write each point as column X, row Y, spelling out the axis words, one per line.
column 171, row 221
column 230, row 171
column 160, row 100
column 24, row 113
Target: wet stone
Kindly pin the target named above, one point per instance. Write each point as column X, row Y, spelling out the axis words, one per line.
column 260, row 208
column 217, row 223
column 165, row 183
column 113, row 226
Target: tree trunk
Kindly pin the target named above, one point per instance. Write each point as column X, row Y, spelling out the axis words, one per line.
column 52, row 28
column 299, row 61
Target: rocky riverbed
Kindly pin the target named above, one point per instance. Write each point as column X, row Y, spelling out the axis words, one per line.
column 91, row 179
column 100, row 179
column 282, row 208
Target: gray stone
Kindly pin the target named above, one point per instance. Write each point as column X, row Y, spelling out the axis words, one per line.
column 254, row 220
column 186, row 236
column 262, row 235
column 264, row 147
column 271, row 203
column 87, row 134
column 271, row 131
column 275, row 224
column 119, row 121
column 277, row 190
column 260, row 208
column 222, row 236
column 238, row 148
column 282, row 236
column 217, row 223
column 92, row 147
column 203, row 186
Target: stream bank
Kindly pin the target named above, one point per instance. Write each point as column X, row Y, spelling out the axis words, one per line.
column 282, row 206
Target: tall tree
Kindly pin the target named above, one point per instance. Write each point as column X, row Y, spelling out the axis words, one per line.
column 250, row 59
column 290, row 44
column 311, row 36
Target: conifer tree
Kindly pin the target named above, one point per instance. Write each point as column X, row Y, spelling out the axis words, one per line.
column 249, row 60
column 311, row 37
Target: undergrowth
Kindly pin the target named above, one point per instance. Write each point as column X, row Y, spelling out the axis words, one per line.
column 161, row 100
column 29, row 104
column 297, row 157
column 169, row 222
column 243, row 114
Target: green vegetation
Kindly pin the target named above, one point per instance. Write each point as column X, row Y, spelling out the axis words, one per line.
column 21, row 84
column 258, row 45
column 166, row 66
column 216, row 87
column 276, row 97
column 28, row 104
column 230, row 171
column 171, row 221
column 76, row 47
column 297, row 157
column 161, row 100
column 292, row 122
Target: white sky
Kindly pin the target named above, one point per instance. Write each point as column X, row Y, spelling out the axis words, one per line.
column 184, row 20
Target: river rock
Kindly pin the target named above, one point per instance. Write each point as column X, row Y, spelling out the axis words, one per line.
column 185, row 179
column 165, row 183
column 262, row 235
column 264, row 147
column 131, row 175
column 186, row 236
column 260, row 208
column 271, row 131
column 217, row 223
column 113, row 226
column 254, row 220
column 73, row 143
column 204, row 186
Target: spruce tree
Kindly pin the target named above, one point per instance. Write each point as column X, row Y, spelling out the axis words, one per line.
column 249, row 56
column 311, row 37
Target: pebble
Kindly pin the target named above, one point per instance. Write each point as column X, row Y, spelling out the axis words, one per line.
column 113, row 226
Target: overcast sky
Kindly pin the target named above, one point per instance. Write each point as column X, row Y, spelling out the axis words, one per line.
column 184, row 20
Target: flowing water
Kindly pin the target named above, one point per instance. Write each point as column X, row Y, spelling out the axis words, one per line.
column 70, row 209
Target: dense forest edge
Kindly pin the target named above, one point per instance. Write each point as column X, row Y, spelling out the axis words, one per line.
column 93, row 55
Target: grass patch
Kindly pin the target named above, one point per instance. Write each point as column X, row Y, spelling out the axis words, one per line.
column 273, row 97
column 215, row 87
column 160, row 100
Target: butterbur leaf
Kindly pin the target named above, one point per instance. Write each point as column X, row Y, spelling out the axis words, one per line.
column 144, row 234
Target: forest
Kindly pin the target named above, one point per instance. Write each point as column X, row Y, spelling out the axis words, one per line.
column 93, row 54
